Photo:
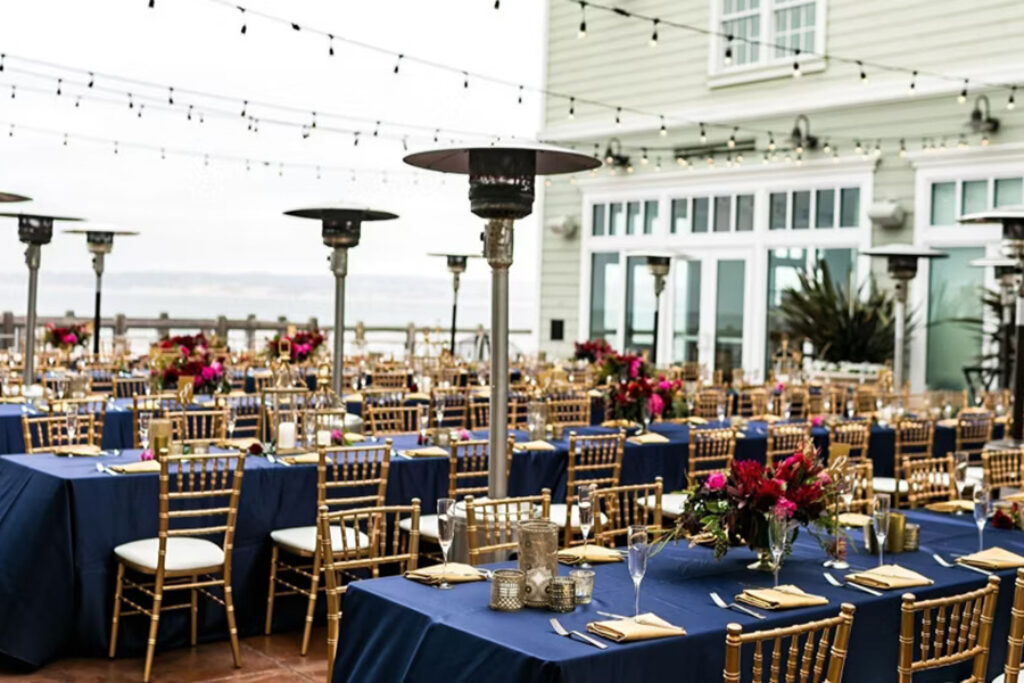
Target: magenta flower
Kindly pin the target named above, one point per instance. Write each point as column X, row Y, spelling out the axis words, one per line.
column 207, row 373
column 656, row 404
column 464, row 435
column 817, row 421
column 784, row 508
column 664, row 385
column 146, row 455
column 336, row 436
column 824, row 479
column 634, row 368
column 716, row 481
column 780, row 387
column 183, row 349
column 70, row 339
column 218, row 368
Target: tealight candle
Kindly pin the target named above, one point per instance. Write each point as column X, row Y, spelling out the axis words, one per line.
column 323, row 437
column 286, row 435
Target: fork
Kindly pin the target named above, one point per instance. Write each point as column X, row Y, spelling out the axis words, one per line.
column 100, row 467
column 839, row 584
column 950, row 565
column 560, row 630
column 717, row 599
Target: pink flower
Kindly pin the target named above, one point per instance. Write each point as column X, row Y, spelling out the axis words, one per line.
column 146, row 455
column 303, row 349
column 664, row 385
column 716, row 481
column 217, row 367
column 70, row 339
column 817, row 421
column 183, row 349
column 824, row 479
column 780, row 387
column 207, row 373
column 464, row 435
column 784, row 508
column 655, row 404
column 336, row 436
column 634, row 368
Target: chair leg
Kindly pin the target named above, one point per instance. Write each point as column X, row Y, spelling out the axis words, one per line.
column 311, row 606
column 117, row 610
column 229, row 605
column 154, row 624
column 270, row 592
column 194, row 611
column 333, row 617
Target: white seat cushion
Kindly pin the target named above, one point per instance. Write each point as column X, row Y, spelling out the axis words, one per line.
column 558, row 516
column 428, row 526
column 183, row 553
column 671, row 504
column 888, row 485
column 304, row 538
column 975, row 474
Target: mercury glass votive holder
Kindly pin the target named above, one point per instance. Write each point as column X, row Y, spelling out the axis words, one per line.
column 563, row 594
column 583, row 580
column 507, row 588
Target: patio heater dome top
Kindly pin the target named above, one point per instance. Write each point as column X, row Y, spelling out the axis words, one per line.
column 99, row 237
column 548, row 159
column 37, row 214
column 35, row 227
column 995, row 262
column 6, row 197
column 902, row 258
column 341, row 221
column 1010, row 213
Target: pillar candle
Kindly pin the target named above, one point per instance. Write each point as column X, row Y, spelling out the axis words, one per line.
column 286, row 435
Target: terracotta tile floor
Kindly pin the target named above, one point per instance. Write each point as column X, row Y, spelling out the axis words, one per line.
column 264, row 658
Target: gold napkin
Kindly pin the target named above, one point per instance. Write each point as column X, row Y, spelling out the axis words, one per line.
column 427, row 452
column 140, row 467
column 889, row 576
column 951, row 506
column 948, row 422
column 595, row 393
column 80, row 449
column 534, row 446
column 595, row 554
column 417, row 396
column 649, row 437
column 1014, row 498
column 12, row 399
column 648, row 627
column 302, row 459
column 993, row 558
column 236, row 444
column 623, row 424
column 854, row 519
column 783, row 597
column 457, row 573
column 353, row 398
column 767, row 417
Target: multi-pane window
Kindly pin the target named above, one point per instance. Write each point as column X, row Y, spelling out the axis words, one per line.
column 650, row 216
column 766, row 31
column 597, row 226
column 625, row 218
column 721, row 213
column 793, row 22
column 742, row 20
column 605, row 295
column 951, row 199
column 686, row 335
column 680, row 218
column 794, row 210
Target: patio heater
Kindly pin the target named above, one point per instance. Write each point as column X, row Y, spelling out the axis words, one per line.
column 501, row 189
column 902, row 265
column 341, row 230
column 456, row 266
column 100, row 242
column 1012, row 222
column 659, row 266
column 1007, row 272
column 35, row 230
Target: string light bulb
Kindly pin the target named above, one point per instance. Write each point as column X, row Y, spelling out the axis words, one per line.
column 330, row 53
column 863, row 73
column 771, row 142
column 796, row 64
column 703, row 134
column 732, row 138
column 170, row 96
column 962, row 97
column 618, row 116
column 244, row 25
column 643, row 159
column 827, row 148
column 878, row 148
column 1010, row 103
column 835, row 155
column 465, row 80
column 913, row 84
column 583, row 21
column 60, row 82
column 654, row 33
column 903, row 148
column 92, row 79
column 245, row 106
column 520, row 94
column 572, row 108
column 663, row 131
column 857, row 148
column 398, row 63
column 727, row 58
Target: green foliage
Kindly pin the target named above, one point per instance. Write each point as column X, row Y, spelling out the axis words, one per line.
column 997, row 338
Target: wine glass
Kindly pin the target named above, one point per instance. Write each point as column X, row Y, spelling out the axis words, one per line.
column 721, row 411
column 445, row 533
column 960, row 462
column 646, row 415
column 232, row 420
column 584, row 504
column 71, row 423
column 880, row 521
column 637, row 540
column 144, row 419
column 847, row 485
column 981, row 498
column 778, row 537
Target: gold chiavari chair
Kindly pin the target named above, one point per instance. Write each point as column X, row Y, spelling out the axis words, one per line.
column 569, row 412
column 856, row 434
column 594, row 460
column 786, row 439
column 201, row 426
column 690, row 372
column 192, row 552
column 479, row 414
column 385, row 547
column 711, row 450
column 127, row 387
column 751, row 402
column 964, row 636
column 800, row 663
column 277, row 402
column 262, row 379
column 390, row 420
column 862, row 490
column 836, row 396
column 928, row 480
column 491, row 525
column 383, row 396
column 915, row 439
column 389, row 379
column 348, row 477
column 452, row 405
column 247, row 408
column 709, row 403
column 798, row 401
column 1001, row 468
column 1015, row 641
column 815, row 400
column 43, row 434
column 616, row 508
column 157, row 405
column 101, row 378
column 89, row 405
column 865, row 400
column 973, row 431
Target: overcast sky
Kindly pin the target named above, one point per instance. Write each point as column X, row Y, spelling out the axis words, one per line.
column 219, row 217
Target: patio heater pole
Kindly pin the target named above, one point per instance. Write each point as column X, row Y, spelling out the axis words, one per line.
column 658, row 265
column 339, row 266
column 100, row 243
column 1007, row 273
column 456, row 266
column 501, row 189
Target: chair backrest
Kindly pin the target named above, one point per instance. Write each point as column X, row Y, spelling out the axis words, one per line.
column 973, row 431
column 865, row 400
column 798, row 399
column 863, row 488
column 915, row 437
column 855, row 433
column 928, row 479
column 802, row 663
column 262, row 379
column 1015, row 641
column 390, row 379
column 353, row 476
column 953, row 629
column 617, row 508
column 204, row 425
column 451, row 404
column 1002, row 467
column 101, row 377
column 387, row 544
column 480, row 413
column 595, row 460
column 711, row 450
column 569, row 412
column 199, row 497
column 386, row 420
column 708, row 403
column 786, row 439
column 751, row 401
column 468, row 468
column 279, row 401
column 492, row 525
column 127, row 387
column 43, row 433
column 383, row 396
column 247, row 409
column 816, row 400
column 89, row 405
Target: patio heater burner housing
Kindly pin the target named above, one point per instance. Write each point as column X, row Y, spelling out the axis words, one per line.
column 100, row 242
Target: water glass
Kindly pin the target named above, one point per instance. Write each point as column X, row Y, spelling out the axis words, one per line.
column 981, row 499
column 585, row 509
column 960, row 463
column 778, row 537
column 144, row 420
column 445, row 533
column 637, row 543
column 880, row 521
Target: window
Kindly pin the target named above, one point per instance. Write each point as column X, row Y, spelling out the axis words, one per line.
column 842, row 267
column 597, row 220
column 800, row 209
column 729, row 315
column 639, row 305
column 650, row 216
column 700, row 214
column 742, row 19
column 784, row 268
column 972, row 196
column 794, row 27
column 686, row 335
column 616, row 224
column 605, row 293
column 952, row 294
column 1008, row 192
column 849, row 207
column 744, row 212
column 723, row 214
column 777, row 211
column 632, row 217
column 680, row 222
column 975, row 196
column 825, row 209
column 765, row 32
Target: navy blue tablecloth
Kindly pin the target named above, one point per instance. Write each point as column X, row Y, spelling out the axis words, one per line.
column 117, row 428
column 394, row 629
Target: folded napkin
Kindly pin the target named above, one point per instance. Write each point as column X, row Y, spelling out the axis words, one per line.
column 534, row 446
column 649, row 437
column 236, row 444
column 457, row 573
column 1014, row 498
column 767, row 417
column 140, row 467
column 428, row 452
column 623, row 424
column 12, row 399
column 782, row 597
column 993, row 558
column 692, row 420
column 889, row 576
column 948, row 422
column 594, row 553
column 951, row 506
column 417, row 396
column 1002, row 420
column 854, row 519
column 81, row 449
column 353, row 437
column 648, row 627
column 302, row 459
column 354, row 398
column 595, row 393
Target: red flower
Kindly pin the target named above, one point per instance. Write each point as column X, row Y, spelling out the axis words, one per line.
column 1001, row 520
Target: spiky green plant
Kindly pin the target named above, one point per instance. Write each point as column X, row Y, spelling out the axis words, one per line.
column 998, row 340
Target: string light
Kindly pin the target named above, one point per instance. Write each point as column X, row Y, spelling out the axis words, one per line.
column 245, row 106
column 827, row 148
column 465, row 79
column 863, row 74
column 739, row 159
column 141, row 107
column 1010, row 104
column 65, row 139
column 857, row 149
column 296, row 27
column 835, row 155
column 903, row 148
column 398, row 63
column 663, row 131
column 583, row 21
column 618, row 116
column 643, row 159
column 984, row 140
column 913, row 84
column 78, row 102
column 796, row 63
column 131, row 102
column 116, row 148
column 771, row 142
column 654, row 33
column 92, row 79
column 878, row 148
column 170, row 96
column 60, row 81
column 572, row 108
column 732, row 138
column 355, row 139
column 727, row 59
column 703, row 134
column 520, row 94
column 244, row 26
column 962, row 97
column 376, row 128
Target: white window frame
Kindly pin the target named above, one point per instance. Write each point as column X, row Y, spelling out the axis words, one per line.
column 768, row 66
column 710, row 247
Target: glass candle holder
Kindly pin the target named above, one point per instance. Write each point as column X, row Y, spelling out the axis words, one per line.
column 583, row 579
column 563, row 594
column 538, row 559
column 507, row 588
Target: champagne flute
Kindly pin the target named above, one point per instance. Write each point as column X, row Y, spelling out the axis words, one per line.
column 637, row 540
column 981, row 498
column 960, row 462
column 71, row 423
column 585, row 508
column 232, row 420
column 445, row 534
column 847, row 484
column 144, row 420
column 778, row 537
column 880, row 521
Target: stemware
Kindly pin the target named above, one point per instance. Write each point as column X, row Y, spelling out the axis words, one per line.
column 847, row 484
column 637, row 539
column 981, row 499
column 232, row 421
column 71, row 422
column 778, row 536
column 144, row 420
column 880, row 521
column 960, row 462
column 584, row 504
column 445, row 534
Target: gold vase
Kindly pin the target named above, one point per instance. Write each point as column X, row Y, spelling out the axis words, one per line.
column 764, row 561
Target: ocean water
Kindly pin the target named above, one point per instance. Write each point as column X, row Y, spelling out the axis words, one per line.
column 372, row 299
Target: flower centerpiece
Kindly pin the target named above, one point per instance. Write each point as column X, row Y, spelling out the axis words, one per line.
column 592, row 351
column 187, row 344
column 304, row 344
column 668, row 399
column 67, row 338
column 192, row 359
